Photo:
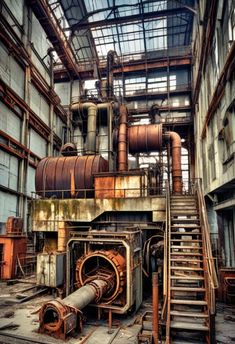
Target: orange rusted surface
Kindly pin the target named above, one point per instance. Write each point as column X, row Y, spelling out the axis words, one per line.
column 176, row 161
column 122, row 140
column 13, row 246
column 122, row 185
column 145, row 138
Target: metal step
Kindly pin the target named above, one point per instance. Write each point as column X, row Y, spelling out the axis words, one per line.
column 193, row 278
column 179, row 260
column 189, row 314
column 186, row 268
column 182, row 222
column 186, row 240
column 188, row 326
column 189, row 302
column 186, row 254
column 193, row 289
column 187, row 247
column 185, row 233
column 186, row 212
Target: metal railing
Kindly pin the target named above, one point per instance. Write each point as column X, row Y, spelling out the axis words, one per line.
column 166, row 267
column 97, row 193
column 211, row 278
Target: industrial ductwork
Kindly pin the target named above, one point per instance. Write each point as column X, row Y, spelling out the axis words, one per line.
column 148, row 138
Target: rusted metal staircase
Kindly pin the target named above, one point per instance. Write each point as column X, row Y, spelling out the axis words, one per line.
column 191, row 274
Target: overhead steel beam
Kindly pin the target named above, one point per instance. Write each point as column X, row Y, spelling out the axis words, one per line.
column 56, row 35
column 128, row 19
column 61, row 75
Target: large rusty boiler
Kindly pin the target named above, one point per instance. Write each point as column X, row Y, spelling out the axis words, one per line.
column 107, row 276
column 99, row 217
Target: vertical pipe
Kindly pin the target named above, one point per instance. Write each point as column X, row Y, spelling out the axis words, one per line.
column 122, row 140
column 155, row 306
column 110, row 61
column 176, row 161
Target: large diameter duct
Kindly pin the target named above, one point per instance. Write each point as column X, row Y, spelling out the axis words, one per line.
column 145, row 138
column 68, row 177
column 122, row 140
column 176, row 160
column 92, row 109
column 148, row 138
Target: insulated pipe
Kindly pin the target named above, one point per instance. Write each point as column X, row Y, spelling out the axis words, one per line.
column 176, row 160
column 122, row 140
column 91, row 124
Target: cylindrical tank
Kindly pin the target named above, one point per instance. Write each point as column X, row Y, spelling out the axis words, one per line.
column 59, row 176
column 145, row 138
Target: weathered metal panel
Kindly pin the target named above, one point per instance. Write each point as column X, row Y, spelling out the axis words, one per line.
column 120, row 186
column 39, row 105
column 11, row 72
column 105, row 187
column 30, row 187
column 9, row 166
column 50, row 269
column 37, row 144
column 17, row 77
column 9, row 122
column 64, row 92
column 8, row 206
column 16, row 8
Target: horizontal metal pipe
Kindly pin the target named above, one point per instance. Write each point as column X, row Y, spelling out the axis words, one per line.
column 86, row 294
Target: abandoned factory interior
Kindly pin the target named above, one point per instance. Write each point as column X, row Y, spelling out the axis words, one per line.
column 117, row 171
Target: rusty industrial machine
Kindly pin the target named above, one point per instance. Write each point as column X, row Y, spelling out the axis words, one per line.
column 100, row 214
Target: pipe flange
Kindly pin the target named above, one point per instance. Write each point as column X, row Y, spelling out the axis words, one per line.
column 109, row 263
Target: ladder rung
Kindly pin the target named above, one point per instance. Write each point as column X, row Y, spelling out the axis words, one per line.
column 188, row 326
column 187, row 247
column 186, row 254
column 179, row 260
column 189, row 314
column 188, row 289
column 189, row 302
column 186, row 268
column 194, row 278
column 186, row 240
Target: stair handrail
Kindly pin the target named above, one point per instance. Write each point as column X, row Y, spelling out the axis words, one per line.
column 211, row 275
column 167, row 279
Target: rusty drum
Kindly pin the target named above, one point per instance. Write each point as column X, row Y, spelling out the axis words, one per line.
column 68, row 177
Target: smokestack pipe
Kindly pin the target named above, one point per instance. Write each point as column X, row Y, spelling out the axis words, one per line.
column 122, row 140
column 176, row 160
column 110, row 62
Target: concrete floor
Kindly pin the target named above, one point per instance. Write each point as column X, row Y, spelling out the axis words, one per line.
column 23, row 322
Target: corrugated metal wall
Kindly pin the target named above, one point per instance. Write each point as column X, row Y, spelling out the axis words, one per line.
column 9, row 122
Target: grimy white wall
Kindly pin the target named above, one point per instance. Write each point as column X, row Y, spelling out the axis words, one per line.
column 215, row 120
